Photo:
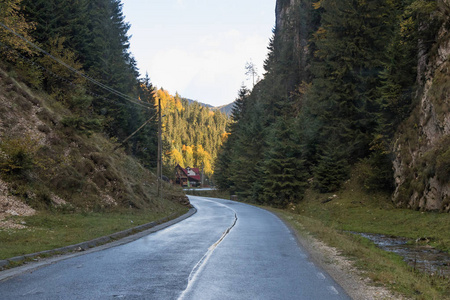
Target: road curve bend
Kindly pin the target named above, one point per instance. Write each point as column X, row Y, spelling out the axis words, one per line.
column 227, row 250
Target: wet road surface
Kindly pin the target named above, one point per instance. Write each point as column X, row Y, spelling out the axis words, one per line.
column 227, row 250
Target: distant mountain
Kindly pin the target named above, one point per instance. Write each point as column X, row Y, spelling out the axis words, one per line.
column 190, row 101
column 226, row 108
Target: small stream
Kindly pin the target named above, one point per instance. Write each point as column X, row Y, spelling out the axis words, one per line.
column 421, row 257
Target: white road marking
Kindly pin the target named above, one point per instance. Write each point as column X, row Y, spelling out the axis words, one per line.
column 333, row 290
column 202, row 262
column 32, row 292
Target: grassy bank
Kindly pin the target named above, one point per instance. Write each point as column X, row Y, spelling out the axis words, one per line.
column 209, row 193
column 48, row 230
column 355, row 210
column 330, row 217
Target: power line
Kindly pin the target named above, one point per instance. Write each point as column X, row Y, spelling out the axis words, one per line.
column 107, row 88
column 74, row 85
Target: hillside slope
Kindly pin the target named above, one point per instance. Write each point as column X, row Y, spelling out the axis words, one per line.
column 49, row 161
column 422, row 148
column 347, row 82
column 226, row 109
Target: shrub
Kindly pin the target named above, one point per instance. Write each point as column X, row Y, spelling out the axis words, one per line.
column 83, row 124
column 17, row 156
column 443, row 166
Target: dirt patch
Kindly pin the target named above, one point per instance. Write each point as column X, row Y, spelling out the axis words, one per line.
column 343, row 271
column 11, row 206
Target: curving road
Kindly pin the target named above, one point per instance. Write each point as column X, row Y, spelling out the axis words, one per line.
column 227, row 250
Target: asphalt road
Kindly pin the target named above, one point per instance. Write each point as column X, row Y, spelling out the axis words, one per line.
column 227, row 250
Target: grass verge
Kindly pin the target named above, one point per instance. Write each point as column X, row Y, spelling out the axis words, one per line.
column 355, row 210
column 209, row 193
column 50, row 230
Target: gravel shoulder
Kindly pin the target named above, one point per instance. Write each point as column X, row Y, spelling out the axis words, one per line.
column 353, row 281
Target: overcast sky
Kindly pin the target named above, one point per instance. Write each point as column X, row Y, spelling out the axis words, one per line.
column 199, row 48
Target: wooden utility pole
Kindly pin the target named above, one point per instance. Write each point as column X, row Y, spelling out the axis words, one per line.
column 159, row 163
column 202, row 176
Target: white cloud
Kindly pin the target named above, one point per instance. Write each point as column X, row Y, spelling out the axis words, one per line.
column 199, row 47
column 213, row 70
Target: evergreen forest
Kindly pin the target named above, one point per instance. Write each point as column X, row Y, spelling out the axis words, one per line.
column 192, row 133
column 340, row 78
column 78, row 52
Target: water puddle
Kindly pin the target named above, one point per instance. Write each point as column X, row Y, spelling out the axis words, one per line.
column 421, row 257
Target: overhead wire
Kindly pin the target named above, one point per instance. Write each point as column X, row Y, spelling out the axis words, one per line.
column 72, row 84
column 105, row 87
column 109, row 89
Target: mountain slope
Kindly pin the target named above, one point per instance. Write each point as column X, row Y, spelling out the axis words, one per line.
column 348, row 85
column 47, row 162
column 422, row 147
column 226, row 109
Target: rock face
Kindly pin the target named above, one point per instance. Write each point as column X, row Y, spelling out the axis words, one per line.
column 422, row 144
column 422, row 148
column 293, row 27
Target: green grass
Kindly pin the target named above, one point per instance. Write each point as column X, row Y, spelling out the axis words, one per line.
column 356, row 210
column 383, row 268
column 47, row 230
column 212, row 194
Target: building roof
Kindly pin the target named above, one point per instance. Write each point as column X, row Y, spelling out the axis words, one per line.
column 191, row 173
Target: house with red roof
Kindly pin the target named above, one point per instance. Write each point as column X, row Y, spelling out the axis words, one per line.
column 187, row 177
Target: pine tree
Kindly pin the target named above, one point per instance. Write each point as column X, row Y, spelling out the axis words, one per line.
column 332, row 167
column 285, row 172
column 350, row 49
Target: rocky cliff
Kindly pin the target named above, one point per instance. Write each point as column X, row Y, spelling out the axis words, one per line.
column 295, row 21
column 422, row 146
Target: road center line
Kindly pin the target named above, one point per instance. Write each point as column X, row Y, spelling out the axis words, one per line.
column 333, row 290
column 202, row 262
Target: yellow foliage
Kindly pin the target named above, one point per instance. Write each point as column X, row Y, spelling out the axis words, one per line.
column 11, row 16
column 317, row 4
column 224, row 136
column 187, row 149
column 321, row 33
column 177, row 158
column 67, row 56
column 194, row 157
column 168, row 102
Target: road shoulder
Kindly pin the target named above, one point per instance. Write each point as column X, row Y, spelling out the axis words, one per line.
column 34, row 261
column 342, row 269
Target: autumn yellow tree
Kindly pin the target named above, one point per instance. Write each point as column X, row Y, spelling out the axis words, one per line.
column 188, row 156
column 168, row 102
column 54, row 85
column 12, row 19
column 203, row 159
column 177, row 158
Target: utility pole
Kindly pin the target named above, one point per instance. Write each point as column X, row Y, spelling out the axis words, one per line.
column 159, row 163
column 202, row 176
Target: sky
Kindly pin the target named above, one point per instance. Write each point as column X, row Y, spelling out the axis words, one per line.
column 199, row 48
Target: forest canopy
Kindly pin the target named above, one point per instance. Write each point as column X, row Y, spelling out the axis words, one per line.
column 340, row 77
column 79, row 53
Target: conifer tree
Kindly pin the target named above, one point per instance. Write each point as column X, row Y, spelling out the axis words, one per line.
column 285, row 172
column 350, row 50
